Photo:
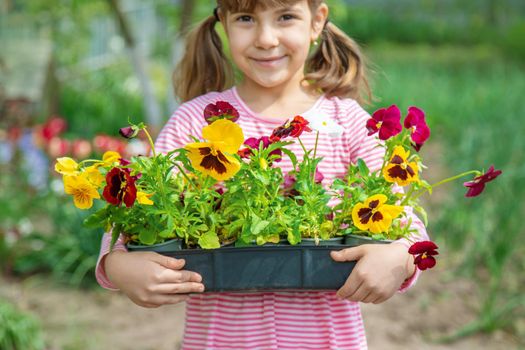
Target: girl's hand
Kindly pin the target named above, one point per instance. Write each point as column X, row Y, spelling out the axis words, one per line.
column 378, row 274
column 150, row 279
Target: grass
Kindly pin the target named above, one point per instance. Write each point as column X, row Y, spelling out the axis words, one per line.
column 473, row 100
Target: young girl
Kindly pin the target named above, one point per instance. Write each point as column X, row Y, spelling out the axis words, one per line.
column 270, row 43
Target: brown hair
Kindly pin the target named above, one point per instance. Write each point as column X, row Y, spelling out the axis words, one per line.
column 336, row 68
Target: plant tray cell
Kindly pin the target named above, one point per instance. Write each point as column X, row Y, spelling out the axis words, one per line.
column 272, row 267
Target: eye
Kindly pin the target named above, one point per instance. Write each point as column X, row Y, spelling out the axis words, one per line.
column 287, row 17
column 244, row 18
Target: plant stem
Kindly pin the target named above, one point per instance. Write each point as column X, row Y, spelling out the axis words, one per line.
column 439, row 183
column 150, row 140
column 185, row 176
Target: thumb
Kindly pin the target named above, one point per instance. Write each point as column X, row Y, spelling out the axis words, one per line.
column 169, row 262
column 348, row 254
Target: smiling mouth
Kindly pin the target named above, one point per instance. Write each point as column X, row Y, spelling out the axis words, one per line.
column 268, row 61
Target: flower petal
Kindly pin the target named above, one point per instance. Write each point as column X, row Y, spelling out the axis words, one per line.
column 225, row 135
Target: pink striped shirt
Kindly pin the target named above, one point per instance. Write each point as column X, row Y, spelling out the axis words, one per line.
column 284, row 319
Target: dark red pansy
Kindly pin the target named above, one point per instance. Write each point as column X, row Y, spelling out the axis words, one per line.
column 120, row 187
column 253, row 143
column 386, row 121
column 415, row 121
column 476, row 186
column 423, row 254
column 220, row 110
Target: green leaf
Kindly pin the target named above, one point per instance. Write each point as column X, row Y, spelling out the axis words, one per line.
column 257, row 224
column 291, row 155
column 363, row 169
column 97, row 219
column 209, row 240
column 147, row 237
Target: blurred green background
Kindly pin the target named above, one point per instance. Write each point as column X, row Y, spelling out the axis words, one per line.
column 96, row 63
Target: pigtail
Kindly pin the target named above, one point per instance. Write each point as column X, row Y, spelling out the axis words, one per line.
column 203, row 68
column 338, row 68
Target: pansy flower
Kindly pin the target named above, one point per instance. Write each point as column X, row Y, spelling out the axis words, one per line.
column 220, row 110
column 374, row 215
column 476, row 186
column 144, row 198
column 399, row 169
column 120, row 187
column 386, row 121
column 415, row 121
column 423, row 254
column 81, row 189
column 253, row 143
column 110, row 158
column 214, row 158
column 67, row 166
column 93, row 175
column 293, row 128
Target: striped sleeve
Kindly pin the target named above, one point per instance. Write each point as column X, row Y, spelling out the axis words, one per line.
column 100, row 272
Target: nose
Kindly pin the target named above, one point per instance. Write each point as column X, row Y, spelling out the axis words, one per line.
column 267, row 37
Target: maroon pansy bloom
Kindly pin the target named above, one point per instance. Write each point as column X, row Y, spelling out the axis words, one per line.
column 386, row 121
column 423, row 254
column 253, row 143
column 220, row 110
column 415, row 121
column 476, row 186
column 120, row 187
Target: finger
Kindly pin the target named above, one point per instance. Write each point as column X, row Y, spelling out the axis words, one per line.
column 169, row 299
column 169, row 262
column 379, row 300
column 179, row 276
column 369, row 298
column 180, row 288
column 145, row 304
column 350, row 287
column 360, row 294
column 348, row 254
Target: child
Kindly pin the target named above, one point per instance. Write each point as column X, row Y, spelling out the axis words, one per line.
column 269, row 42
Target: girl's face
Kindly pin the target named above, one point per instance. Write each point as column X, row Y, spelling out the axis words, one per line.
column 270, row 46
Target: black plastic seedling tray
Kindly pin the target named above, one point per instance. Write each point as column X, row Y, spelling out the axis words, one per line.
column 266, row 267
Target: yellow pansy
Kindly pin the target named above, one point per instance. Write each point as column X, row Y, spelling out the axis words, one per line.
column 144, row 198
column 82, row 190
column 214, row 157
column 66, row 166
column 111, row 157
column 399, row 169
column 93, row 175
column 374, row 215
